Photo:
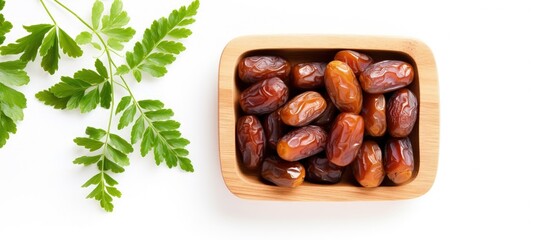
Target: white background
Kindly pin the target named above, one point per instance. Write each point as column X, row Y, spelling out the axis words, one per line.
column 492, row 61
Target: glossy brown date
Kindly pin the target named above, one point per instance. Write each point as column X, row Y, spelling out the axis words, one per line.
column 368, row 166
column 342, row 86
column 301, row 143
column 399, row 160
column 373, row 112
column 345, row 139
column 257, row 68
column 282, row 173
column 264, row 97
column 303, row 109
column 357, row 61
column 386, row 76
column 274, row 129
column 251, row 141
column 320, row 170
column 402, row 113
column 308, row 75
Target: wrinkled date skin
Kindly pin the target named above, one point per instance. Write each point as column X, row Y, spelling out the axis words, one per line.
column 282, row 173
column 357, row 61
column 301, row 143
column 402, row 113
column 257, row 68
column 274, row 129
column 303, row 109
column 342, row 86
column 386, row 76
column 368, row 166
column 320, row 170
column 308, row 75
column 345, row 139
column 399, row 160
column 251, row 141
column 328, row 115
column 373, row 112
column 264, row 97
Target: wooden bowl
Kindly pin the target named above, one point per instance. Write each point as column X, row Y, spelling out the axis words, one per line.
column 296, row 49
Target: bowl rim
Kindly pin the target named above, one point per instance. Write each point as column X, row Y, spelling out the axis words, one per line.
column 428, row 117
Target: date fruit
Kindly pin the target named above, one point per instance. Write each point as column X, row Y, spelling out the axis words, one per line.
column 386, row 76
column 274, row 129
column 345, row 139
column 301, row 143
column 303, row 109
column 256, row 68
column 320, row 170
column 357, row 61
column 308, row 75
column 282, row 173
column 402, row 113
column 251, row 141
column 342, row 86
column 373, row 112
column 399, row 160
column 368, row 166
column 328, row 115
column 264, row 97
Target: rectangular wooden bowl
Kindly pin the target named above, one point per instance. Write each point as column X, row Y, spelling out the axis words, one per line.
column 303, row 48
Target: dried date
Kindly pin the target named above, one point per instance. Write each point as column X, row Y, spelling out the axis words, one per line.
column 402, row 113
column 274, row 129
column 368, row 166
column 345, row 139
column 282, row 173
column 303, row 109
column 308, row 75
column 342, row 86
column 320, row 170
column 373, row 112
column 357, row 61
column 386, row 76
column 256, row 68
column 301, row 143
column 264, row 97
column 251, row 141
column 399, row 160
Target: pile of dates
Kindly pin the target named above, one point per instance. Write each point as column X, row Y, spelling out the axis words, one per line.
column 313, row 119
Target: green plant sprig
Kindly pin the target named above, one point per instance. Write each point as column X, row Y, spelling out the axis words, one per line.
column 152, row 123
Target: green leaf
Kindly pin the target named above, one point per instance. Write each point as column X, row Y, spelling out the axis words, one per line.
column 119, row 157
column 50, row 52
column 12, row 97
column 106, row 95
column 148, row 141
column 127, row 117
column 109, row 180
column 68, row 45
column 97, row 11
column 120, row 34
column 83, row 38
column 7, row 126
column 89, row 76
column 178, row 142
column 5, row 26
column 29, row 44
column 122, row 70
column 13, row 73
column 50, row 99
column 162, row 114
column 115, row 44
column 89, row 101
column 95, row 133
column 13, row 112
column 185, row 164
column 123, row 104
column 93, row 180
column 113, row 167
column 161, row 59
column 172, row 134
column 87, row 160
column 69, row 87
column 114, row 192
column 74, row 100
column 151, row 104
column 155, row 41
column 166, row 125
column 97, row 46
column 88, row 143
column 101, row 69
column 137, row 130
column 120, row 144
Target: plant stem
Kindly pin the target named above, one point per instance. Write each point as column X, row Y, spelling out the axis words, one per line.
column 48, row 11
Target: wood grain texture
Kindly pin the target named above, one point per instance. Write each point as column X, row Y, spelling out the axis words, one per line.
column 300, row 48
